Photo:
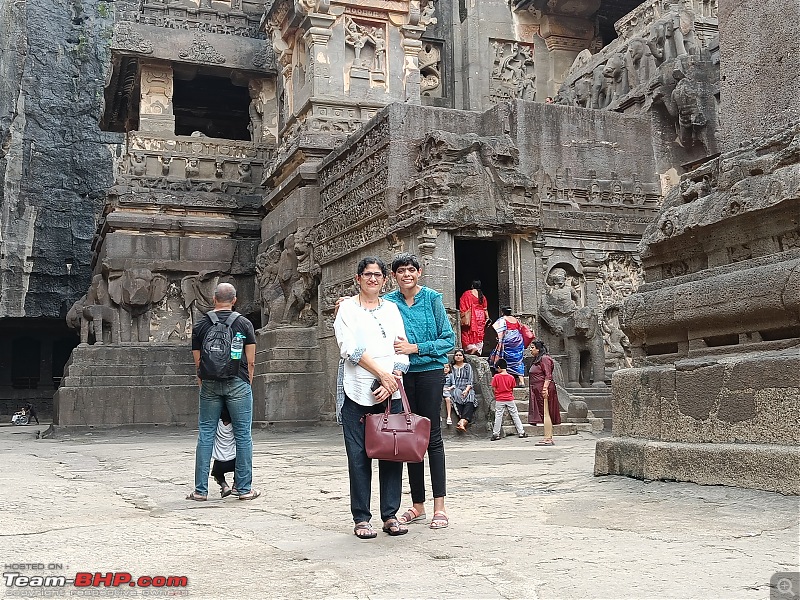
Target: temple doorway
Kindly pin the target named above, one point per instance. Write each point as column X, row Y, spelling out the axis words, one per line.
column 478, row 259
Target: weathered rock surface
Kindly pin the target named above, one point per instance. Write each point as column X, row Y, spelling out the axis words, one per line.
column 55, row 163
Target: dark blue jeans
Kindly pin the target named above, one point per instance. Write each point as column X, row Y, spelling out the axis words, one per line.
column 390, row 474
column 424, row 392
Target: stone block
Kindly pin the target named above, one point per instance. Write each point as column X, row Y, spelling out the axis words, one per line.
column 758, row 466
column 637, row 397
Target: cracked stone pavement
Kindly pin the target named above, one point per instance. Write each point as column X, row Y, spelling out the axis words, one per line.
column 525, row 522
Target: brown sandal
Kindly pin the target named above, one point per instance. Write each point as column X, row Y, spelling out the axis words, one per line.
column 364, row 526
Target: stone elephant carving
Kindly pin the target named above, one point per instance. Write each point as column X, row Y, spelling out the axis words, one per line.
column 601, row 94
column 198, row 293
column 135, row 291
column 95, row 307
column 582, row 337
column 615, row 72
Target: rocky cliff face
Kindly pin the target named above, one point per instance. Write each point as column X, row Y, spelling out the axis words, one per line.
column 55, row 163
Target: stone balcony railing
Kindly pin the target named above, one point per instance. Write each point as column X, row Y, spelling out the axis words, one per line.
column 189, row 163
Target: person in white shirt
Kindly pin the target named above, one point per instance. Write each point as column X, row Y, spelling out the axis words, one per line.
column 224, row 453
column 366, row 328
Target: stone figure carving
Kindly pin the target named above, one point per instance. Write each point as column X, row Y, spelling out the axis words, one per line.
column 138, row 164
column 245, row 172
column 256, row 115
column 426, row 18
column 616, row 72
column 289, row 280
column 96, row 307
column 135, row 291
column 600, row 88
column 583, row 93
column 192, row 168
column 429, row 69
column 166, row 161
column 559, row 303
column 585, row 338
column 687, row 101
column 513, row 71
column 639, row 54
column 198, row 293
column 302, row 297
column 617, row 344
column 378, row 39
column 218, row 168
column 270, row 292
column 576, row 327
column 672, row 35
column 356, row 37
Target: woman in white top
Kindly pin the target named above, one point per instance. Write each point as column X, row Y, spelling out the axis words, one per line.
column 366, row 327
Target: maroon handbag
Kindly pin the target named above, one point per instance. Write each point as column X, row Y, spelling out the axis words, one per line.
column 401, row 437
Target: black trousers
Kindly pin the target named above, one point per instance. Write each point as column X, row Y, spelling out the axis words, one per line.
column 424, row 392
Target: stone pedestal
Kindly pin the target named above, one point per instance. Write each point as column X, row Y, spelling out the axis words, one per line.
column 144, row 384
column 289, row 384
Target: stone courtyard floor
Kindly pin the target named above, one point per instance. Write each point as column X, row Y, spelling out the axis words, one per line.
column 526, row 522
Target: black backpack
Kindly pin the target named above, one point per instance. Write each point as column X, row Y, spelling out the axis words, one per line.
column 215, row 354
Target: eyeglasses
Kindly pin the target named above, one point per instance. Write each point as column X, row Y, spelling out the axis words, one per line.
column 403, row 270
column 366, row 275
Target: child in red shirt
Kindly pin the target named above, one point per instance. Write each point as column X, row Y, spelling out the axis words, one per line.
column 503, row 385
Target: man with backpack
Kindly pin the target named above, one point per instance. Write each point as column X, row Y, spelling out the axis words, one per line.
column 224, row 349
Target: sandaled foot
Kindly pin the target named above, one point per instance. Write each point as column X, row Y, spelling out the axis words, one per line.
column 545, row 443
column 439, row 521
column 364, row 531
column 225, row 491
column 412, row 515
column 449, row 421
column 393, row 527
column 198, row 497
column 524, row 434
column 251, row 495
column 462, row 425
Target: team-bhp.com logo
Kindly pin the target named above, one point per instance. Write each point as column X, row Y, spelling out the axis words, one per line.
column 113, row 579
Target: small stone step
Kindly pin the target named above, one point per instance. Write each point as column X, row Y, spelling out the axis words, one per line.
column 538, row 430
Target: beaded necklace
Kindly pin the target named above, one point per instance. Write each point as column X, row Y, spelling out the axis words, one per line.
column 371, row 311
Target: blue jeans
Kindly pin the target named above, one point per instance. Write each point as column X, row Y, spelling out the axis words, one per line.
column 359, row 465
column 237, row 395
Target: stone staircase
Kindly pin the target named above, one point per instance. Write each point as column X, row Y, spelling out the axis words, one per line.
column 598, row 400
column 521, row 399
column 127, row 384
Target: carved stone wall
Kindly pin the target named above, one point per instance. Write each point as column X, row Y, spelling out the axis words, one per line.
column 666, row 60
column 713, row 396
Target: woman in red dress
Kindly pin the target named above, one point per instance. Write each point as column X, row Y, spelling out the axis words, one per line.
column 473, row 302
column 543, row 389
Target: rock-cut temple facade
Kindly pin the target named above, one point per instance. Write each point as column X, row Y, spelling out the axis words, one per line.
column 624, row 174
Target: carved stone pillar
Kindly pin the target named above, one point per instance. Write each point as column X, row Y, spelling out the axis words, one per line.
column 565, row 37
column 411, row 49
column 316, row 39
column 155, row 103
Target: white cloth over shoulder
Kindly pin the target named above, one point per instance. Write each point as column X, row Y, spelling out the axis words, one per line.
column 359, row 331
column 224, row 442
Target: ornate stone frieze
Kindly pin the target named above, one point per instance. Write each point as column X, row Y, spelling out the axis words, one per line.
column 170, row 16
column 468, row 180
column 617, row 278
column 126, row 38
column 352, row 194
column 592, row 193
column 368, row 44
column 513, row 73
column 202, row 51
column 427, row 13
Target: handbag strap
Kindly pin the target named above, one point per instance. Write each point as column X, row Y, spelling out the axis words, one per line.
column 403, row 397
